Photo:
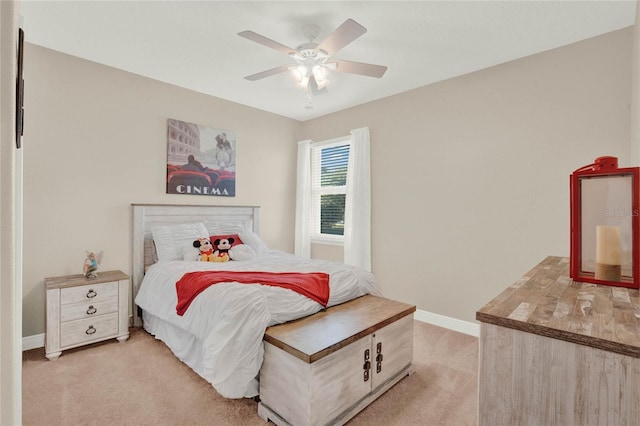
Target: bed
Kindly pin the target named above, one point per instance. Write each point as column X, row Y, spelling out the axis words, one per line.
column 220, row 334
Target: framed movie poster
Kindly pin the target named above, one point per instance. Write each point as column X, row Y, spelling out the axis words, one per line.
column 200, row 160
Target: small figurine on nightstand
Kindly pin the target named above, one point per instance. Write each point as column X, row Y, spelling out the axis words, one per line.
column 91, row 264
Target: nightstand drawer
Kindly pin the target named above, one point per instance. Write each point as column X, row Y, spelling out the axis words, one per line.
column 86, row 330
column 88, row 309
column 94, row 293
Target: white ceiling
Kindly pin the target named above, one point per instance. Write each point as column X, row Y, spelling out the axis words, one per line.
column 194, row 44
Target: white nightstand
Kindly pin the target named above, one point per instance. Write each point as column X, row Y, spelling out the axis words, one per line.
column 86, row 310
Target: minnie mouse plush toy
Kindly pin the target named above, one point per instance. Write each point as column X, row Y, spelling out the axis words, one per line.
column 206, row 250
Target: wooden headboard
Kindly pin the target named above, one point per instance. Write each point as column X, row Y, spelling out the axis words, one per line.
column 148, row 216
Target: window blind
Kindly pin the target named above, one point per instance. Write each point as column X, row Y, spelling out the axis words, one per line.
column 328, row 182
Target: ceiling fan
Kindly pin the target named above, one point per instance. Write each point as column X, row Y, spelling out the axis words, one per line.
column 312, row 63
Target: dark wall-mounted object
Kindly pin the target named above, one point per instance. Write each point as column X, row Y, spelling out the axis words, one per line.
column 20, row 90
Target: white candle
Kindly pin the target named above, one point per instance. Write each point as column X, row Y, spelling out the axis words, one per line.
column 608, row 245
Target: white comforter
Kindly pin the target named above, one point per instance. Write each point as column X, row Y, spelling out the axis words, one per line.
column 230, row 318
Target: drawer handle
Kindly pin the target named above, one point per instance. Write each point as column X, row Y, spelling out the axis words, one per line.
column 91, row 294
column 91, row 310
column 90, row 330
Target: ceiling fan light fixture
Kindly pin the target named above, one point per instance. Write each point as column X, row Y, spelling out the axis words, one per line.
column 300, row 75
column 320, row 75
column 319, row 72
column 331, row 65
column 322, row 83
column 296, row 56
column 304, row 83
column 321, row 55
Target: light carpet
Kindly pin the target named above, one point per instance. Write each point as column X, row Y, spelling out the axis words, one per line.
column 140, row 382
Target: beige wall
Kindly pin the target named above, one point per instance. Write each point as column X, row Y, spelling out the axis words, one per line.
column 470, row 176
column 95, row 142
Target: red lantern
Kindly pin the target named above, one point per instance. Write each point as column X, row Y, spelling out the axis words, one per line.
column 605, row 216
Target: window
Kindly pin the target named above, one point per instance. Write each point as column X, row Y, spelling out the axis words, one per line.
column 329, row 162
column 325, row 212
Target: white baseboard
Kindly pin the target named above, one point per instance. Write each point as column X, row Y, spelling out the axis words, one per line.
column 33, row 342
column 470, row 328
column 473, row 329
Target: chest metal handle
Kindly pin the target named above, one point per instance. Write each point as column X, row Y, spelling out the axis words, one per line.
column 367, row 365
column 91, row 294
column 91, row 330
column 91, row 310
column 379, row 357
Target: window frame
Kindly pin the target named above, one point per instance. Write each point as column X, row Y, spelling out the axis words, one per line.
column 316, row 192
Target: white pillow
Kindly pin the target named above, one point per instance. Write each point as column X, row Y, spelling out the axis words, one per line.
column 190, row 254
column 171, row 240
column 241, row 252
column 252, row 239
column 227, row 227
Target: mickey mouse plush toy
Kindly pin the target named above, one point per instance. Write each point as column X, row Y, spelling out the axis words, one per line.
column 206, row 250
column 221, row 254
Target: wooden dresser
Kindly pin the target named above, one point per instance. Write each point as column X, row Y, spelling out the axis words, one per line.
column 86, row 310
column 325, row 368
column 558, row 352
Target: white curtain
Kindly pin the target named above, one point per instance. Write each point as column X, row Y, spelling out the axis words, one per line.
column 357, row 213
column 303, row 200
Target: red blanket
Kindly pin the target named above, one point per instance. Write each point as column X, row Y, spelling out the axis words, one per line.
column 314, row 285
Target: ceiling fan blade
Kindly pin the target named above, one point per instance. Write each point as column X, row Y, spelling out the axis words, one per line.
column 343, row 35
column 267, row 73
column 250, row 35
column 360, row 68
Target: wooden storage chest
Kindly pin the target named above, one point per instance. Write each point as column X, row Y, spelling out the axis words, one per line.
column 325, row 368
